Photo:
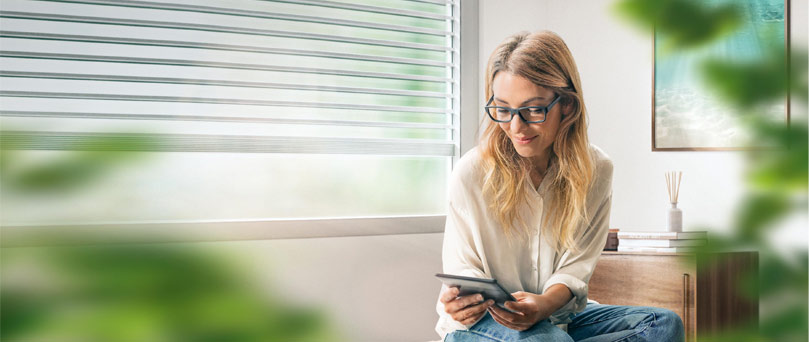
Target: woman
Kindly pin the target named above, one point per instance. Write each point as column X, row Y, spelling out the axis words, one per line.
column 530, row 207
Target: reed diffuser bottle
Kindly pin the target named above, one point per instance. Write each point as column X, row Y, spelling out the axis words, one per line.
column 675, row 218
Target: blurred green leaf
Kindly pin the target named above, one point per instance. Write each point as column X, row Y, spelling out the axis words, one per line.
column 71, row 172
column 74, row 169
column 757, row 212
column 781, row 325
column 753, row 83
column 786, row 168
column 779, row 276
column 142, row 293
column 683, row 24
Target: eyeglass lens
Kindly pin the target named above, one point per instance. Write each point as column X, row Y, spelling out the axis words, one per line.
column 529, row 114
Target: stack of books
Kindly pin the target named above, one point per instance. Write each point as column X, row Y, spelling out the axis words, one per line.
column 660, row 241
column 612, row 240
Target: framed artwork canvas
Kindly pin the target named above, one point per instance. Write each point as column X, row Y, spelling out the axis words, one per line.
column 688, row 117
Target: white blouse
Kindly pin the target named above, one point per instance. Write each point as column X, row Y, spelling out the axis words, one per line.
column 475, row 245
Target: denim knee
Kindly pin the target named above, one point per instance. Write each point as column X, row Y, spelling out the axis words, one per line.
column 669, row 324
column 490, row 331
column 545, row 331
column 557, row 336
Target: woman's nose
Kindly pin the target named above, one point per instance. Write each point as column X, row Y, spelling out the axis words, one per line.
column 517, row 124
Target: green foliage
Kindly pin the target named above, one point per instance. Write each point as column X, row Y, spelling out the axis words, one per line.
column 63, row 175
column 777, row 176
column 142, row 293
column 750, row 84
column 74, row 170
column 756, row 211
column 787, row 324
column 783, row 170
column 685, row 23
column 780, row 276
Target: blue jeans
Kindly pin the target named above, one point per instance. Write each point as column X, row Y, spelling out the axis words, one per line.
column 597, row 323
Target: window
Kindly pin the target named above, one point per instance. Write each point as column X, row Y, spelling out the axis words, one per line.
column 288, row 109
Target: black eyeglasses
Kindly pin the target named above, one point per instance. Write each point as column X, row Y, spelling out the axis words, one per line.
column 531, row 114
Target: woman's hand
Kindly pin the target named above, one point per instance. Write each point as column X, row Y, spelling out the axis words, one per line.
column 530, row 308
column 465, row 309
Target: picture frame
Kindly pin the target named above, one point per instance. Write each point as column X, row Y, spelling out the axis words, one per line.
column 687, row 118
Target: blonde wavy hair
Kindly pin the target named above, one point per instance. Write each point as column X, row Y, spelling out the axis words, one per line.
column 544, row 59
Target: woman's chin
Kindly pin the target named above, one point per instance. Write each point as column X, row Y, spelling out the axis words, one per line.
column 525, row 152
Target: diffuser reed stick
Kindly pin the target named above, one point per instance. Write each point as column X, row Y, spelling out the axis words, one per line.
column 675, row 217
column 673, row 180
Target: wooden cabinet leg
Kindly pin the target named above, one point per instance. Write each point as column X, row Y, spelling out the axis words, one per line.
column 686, row 319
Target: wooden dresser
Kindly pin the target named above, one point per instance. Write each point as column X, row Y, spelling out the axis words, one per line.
column 705, row 295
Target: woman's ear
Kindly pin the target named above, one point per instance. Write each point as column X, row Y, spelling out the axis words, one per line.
column 567, row 108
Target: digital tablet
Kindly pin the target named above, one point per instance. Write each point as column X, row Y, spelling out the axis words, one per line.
column 489, row 288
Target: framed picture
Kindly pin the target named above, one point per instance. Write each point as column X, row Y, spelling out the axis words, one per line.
column 688, row 117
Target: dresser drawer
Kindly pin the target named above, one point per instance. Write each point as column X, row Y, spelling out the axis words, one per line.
column 703, row 294
column 664, row 281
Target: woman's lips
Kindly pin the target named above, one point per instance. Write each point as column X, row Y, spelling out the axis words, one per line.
column 524, row 140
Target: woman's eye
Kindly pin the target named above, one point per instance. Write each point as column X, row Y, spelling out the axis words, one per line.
column 536, row 111
column 502, row 111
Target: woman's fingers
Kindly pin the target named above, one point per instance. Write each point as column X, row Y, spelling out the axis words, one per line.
column 524, row 307
column 519, row 294
column 508, row 319
column 512, row 326
column 510, row 316
column 460, row 303
column 506, row 323
column 449, row 294
column 497, row 317
column 473, row 319
column 472, row 312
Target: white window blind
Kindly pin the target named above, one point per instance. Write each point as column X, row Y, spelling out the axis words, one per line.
column 233, row 109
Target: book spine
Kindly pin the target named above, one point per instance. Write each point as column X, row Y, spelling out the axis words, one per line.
column 661, row 236
column 612, row 241
column 662, row 243
column 655, row 249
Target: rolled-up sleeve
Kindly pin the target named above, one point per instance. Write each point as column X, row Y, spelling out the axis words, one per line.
column 576, row 267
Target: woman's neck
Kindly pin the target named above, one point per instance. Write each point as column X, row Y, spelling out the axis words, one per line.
column 539, row 169
column 540, row 164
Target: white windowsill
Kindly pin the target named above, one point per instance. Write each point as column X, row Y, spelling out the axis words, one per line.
column 215, row 230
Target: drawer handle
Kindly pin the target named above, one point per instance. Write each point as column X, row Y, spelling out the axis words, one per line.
column 685, row 304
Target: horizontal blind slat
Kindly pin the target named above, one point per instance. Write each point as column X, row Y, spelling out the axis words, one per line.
column 254, row 14
column 212, row 28
column 199, row 63
column 151, row 98
column 184, row 44
column 366, row 8
column 437, row 2
column 168, row 80
column 120, row 116
column 11, row 140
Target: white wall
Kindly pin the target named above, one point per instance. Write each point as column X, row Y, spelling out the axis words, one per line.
column 373, row 288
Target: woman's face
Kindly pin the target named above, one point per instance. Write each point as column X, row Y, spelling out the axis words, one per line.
column 531, row 140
